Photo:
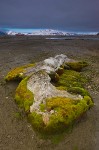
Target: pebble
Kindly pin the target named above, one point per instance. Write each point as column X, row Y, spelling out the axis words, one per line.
column 89, row 87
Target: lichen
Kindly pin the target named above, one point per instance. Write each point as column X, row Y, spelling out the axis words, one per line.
column 17, row 73
column 24, row 97
column 77, row 66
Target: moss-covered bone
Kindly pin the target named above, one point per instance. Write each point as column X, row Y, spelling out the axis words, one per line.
column 51, row 64
column 39, row 84
column 24, row 97
column 77, row 66
column 52, row 105
column 18, row 73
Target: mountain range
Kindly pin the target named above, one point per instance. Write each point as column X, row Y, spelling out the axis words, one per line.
column 40, row 32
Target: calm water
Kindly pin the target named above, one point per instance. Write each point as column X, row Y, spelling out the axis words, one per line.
column 72, row 38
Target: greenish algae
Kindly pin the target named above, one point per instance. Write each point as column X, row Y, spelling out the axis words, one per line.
column 24, row 97
column 77, row 66
column 17, row 73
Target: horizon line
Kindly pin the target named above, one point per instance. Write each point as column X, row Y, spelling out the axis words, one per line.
column 63, row 30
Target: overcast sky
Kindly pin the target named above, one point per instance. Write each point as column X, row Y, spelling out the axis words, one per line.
column 70, row 15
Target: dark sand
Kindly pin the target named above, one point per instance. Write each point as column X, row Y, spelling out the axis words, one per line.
column 15, row 132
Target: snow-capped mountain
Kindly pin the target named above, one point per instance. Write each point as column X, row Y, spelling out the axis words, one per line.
column 48, row 32
column 40, row 32
column 11, row 33
column 45, row 32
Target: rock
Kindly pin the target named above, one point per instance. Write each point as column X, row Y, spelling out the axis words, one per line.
column 54, row 76
column 60, row 71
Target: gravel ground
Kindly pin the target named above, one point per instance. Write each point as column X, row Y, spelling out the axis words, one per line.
column 15, row 132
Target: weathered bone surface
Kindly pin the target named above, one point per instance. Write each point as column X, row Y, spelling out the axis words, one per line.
column 39, row 84
column 49, row 65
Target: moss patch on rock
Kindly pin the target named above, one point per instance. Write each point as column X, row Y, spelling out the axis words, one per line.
column 23, row 97
column 52, row 114
column 69, row 79
column 17, row 73
column 66, row 111
column 77, row 66
column 36, row 121
column 78, row 90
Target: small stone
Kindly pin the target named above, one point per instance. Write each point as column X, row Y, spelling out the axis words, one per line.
column 29, row 126
column 89, row 87
column 52, row 111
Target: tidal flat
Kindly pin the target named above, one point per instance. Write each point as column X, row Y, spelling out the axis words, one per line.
column 15, row 131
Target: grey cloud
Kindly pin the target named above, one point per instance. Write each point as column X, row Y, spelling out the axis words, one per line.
column 61, row 14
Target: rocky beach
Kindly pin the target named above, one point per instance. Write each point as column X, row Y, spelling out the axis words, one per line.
column 15, row 131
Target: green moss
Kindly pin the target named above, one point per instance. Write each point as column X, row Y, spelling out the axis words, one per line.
column 42, row 107
column 61, row 88
column 89, row 101
column 17, row 73
column 70, row 79
column 78, row 90
column 77, row 66
column 36, row 121
column 67, row 111
column 24, row 97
